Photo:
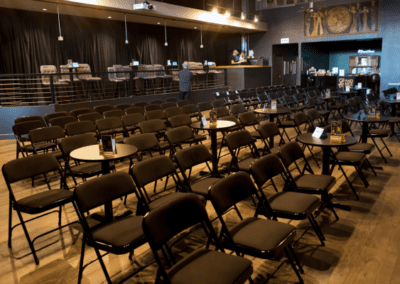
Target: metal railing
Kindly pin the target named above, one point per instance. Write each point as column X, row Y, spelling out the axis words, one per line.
column 45, row 89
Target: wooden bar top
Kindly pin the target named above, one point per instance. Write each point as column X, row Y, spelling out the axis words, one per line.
column 241, row 66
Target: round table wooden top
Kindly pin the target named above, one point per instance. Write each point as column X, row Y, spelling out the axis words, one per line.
column 366, row 118
column 218, row 125
column 92, row 153
column 308, row 139
column 270, row 111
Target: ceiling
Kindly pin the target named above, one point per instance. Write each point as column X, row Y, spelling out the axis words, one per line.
column 172, row 15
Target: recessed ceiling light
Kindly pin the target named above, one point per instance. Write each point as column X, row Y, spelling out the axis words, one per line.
column 195, row 28
column 44, row 9
column 109, row 17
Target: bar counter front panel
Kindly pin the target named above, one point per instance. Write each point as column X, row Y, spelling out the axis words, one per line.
column 241, row 77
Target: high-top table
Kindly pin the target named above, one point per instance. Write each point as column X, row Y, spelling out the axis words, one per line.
column 219, row 125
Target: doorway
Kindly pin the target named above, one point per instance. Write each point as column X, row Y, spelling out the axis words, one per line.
column 285, row 62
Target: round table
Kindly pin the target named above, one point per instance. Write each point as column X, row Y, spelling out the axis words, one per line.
column 365, row 120
column 92, row 154
column 213, row 128
column 393, row 104
column 326, row 145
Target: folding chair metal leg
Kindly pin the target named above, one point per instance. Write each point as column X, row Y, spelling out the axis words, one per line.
column 293, row 265
column 349, row 182
column 317, row 230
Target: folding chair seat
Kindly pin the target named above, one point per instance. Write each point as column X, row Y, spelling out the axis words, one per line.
column 21, row 131
column 261, row 238
column 93, row 116
column 284, row 204
column 291, row 153
column 38, row 203
column 136, row 109
column 101, row 109
column 218, row 104
column 49, row 116
column 120, row 235
column 150, row 171
column 80, row 127
column 200, row 265
column 237, row 140
column 131, row 122
column 152, row 107
column 193, row 156
column 114, row 113
column 185, row 120
column 111, row 126
column 79, row 111
column 82, row 170
column 268, row 131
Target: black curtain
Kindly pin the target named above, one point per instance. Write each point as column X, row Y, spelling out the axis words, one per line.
column 29, row 39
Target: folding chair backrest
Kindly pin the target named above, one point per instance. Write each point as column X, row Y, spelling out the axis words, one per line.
column 62, row 121
column 30, row 166
column 28, row 118
column 152, row 169
column 67, row 145
column 166, row 221
column 221, row 111
column 23, row 128
column 77, row 112
column 266, row 168
column 154, row 125
column 135, row 109
column 108, row 123
column 174, row 100
column 247, row 118
column 268, row 130
column 46, row 134
column 155, row 114
column 237, row 108
column 231, row 190
column 204, row 106
column 192, row 156
column 168, row 105
column 152, row 107
column 98, row 191
column 218, row 104
column 238, row 139
column 172, row 111
column 143, row 142
column 190, row 108
column 156, row 102
column 141, row 104
column 300, row 118
column 80, row 127
column 132, row 119
column 180, row 120
column 103, row 108
column 290, row 152
column 123, row 106
column 178, row 135
column 93, row 116
column 182, row 103
column 49, row 116
column 113, row 113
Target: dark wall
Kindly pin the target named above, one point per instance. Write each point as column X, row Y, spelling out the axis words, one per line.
column 288, row 23
column 29, row 39
column 315, row 56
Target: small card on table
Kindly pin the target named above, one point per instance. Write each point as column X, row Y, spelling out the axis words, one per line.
column 319, row 133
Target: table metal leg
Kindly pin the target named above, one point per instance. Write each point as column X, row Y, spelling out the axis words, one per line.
column 271, row 141
column 364, row 132
column 326, row 155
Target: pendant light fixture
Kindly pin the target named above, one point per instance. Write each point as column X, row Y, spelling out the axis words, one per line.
column 201, row 37
column 126, row 32
column 165, row 27
column 60, row 38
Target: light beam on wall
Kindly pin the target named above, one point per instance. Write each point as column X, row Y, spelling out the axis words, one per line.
column 126, row 32
column 165, row 28
column 201, row 37
column 60, row 38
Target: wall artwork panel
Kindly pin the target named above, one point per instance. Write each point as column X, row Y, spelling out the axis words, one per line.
column 344, row 19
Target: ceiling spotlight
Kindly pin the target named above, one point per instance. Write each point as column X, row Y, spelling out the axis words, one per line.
column 44, row 9
column 255, row 19
column 158, row 23
column 166, row 43
column 243, row 16
column 227, row 14
column 109, row 17
column 201, row 46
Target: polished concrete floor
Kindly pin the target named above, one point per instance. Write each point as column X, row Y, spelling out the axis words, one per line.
column 362, row 247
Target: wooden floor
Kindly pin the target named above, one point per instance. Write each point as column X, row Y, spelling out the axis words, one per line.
column 362, row 247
